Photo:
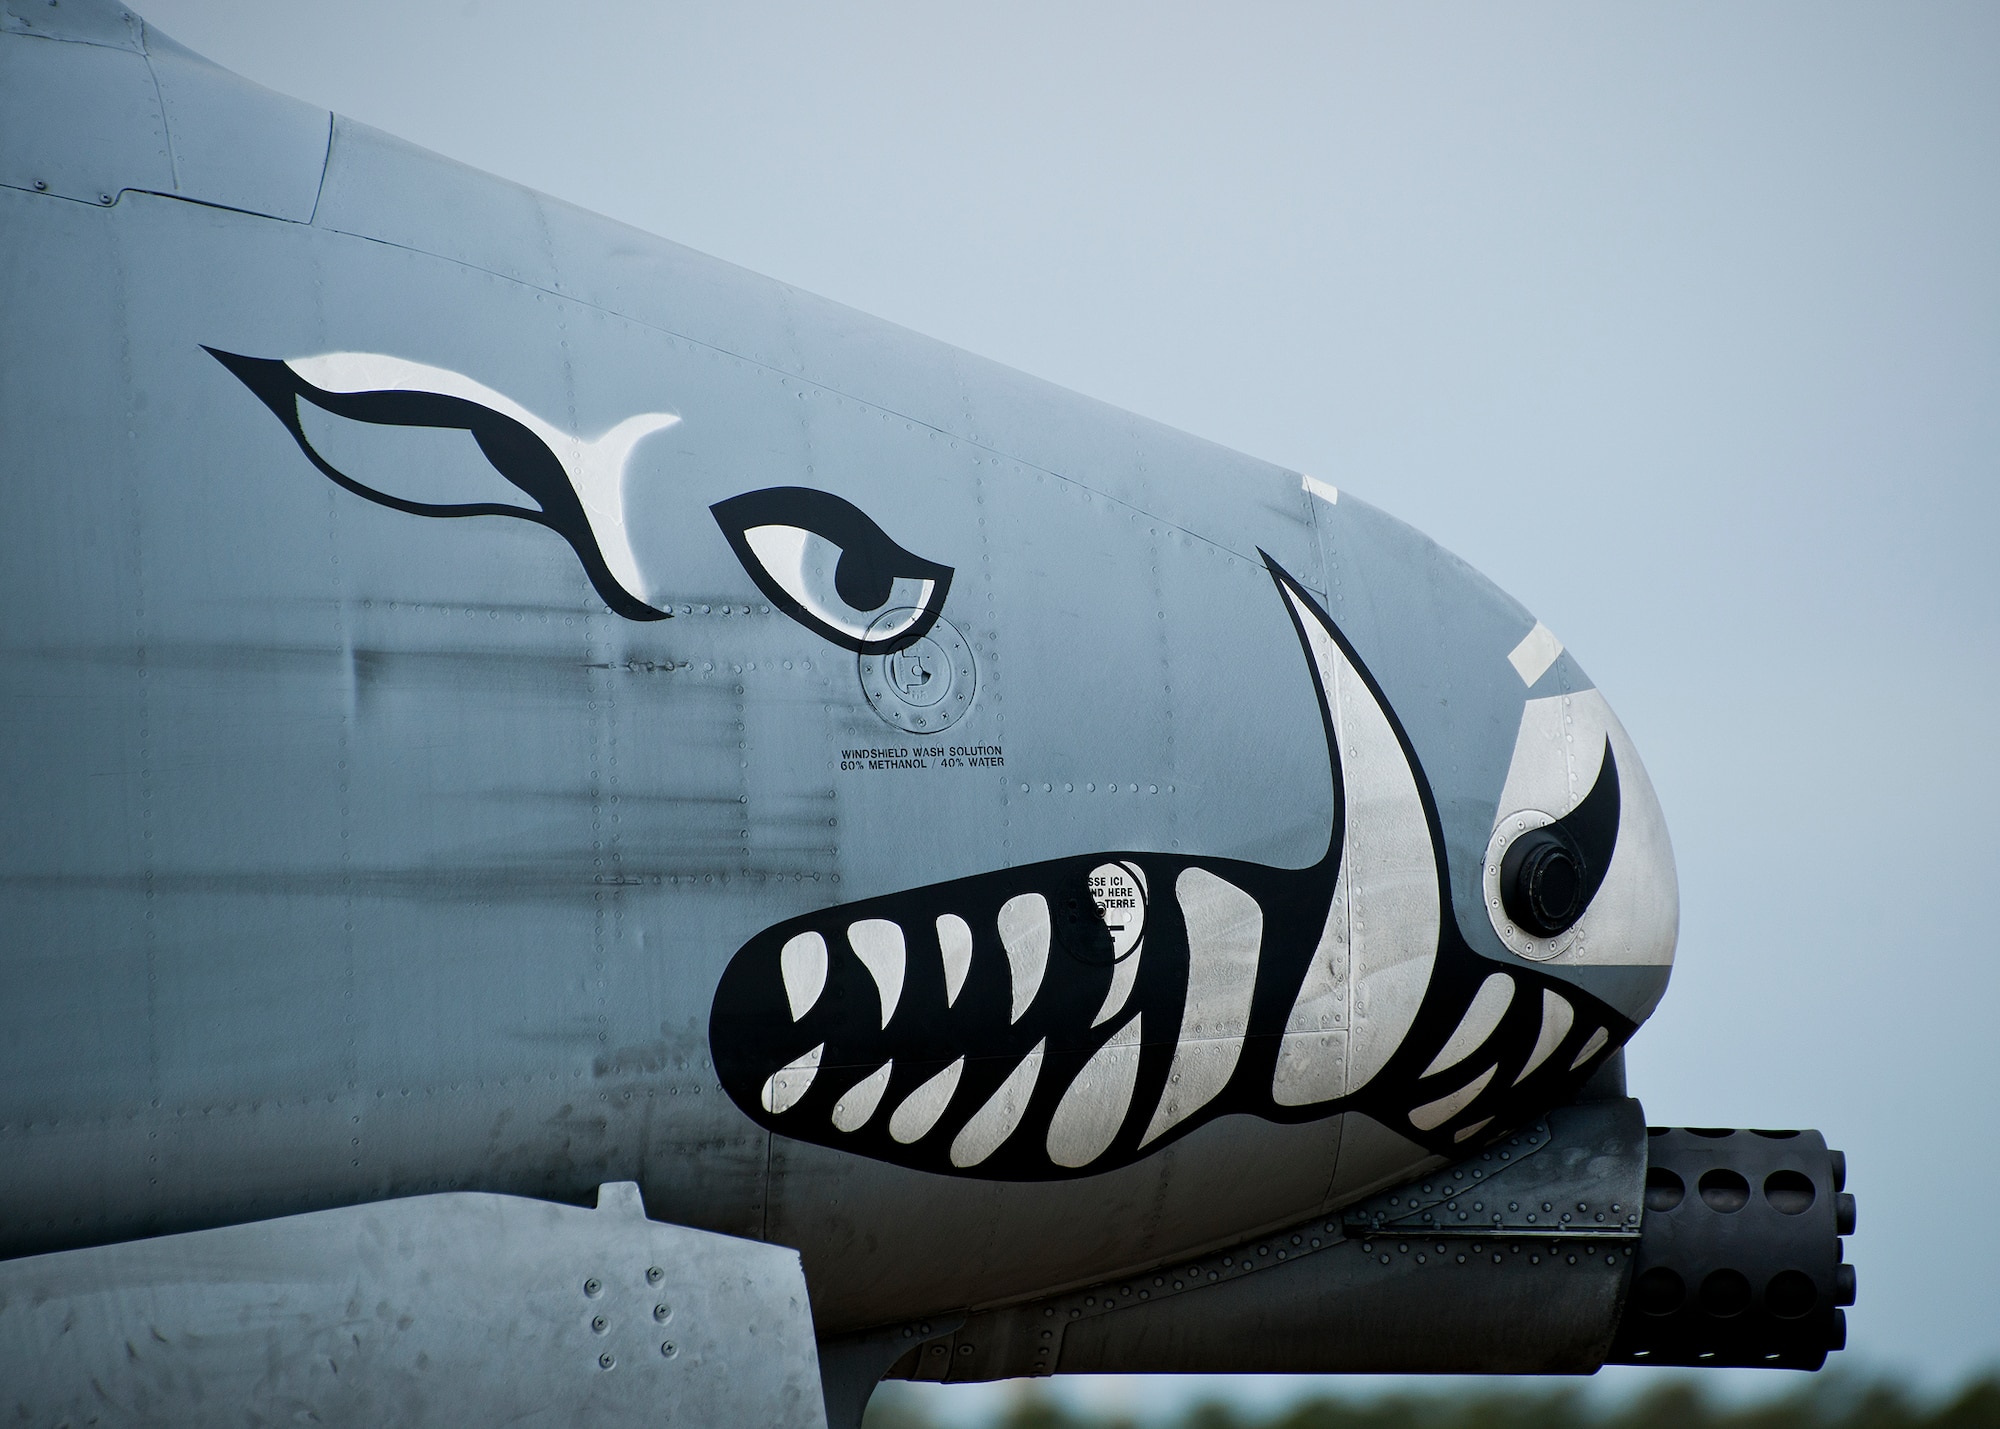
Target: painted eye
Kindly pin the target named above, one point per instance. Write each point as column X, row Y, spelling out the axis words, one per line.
column 825, row 564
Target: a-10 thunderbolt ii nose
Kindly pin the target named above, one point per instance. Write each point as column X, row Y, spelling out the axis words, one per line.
column 510, row 714
column 1056, row 1017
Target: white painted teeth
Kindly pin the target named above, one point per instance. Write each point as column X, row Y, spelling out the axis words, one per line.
column 1225, row 932
column 1489, row 1005
column 1557, row 1018
column 785, row 1086
column 1481, row 1018
column 1591, row 1048
column 879, row 945
column 1432, row 1115
column 1466, row 1133
column 955, row 946
column 1119, row 890
column 1024, row 932
column 922, row 1108
column 857, row 1104
column 1124, row 975
column 1094, row 1107
column 1225, row 937
column 1312, row 1056
column 803, row 961
column 993, row 1123
column 1381, row 936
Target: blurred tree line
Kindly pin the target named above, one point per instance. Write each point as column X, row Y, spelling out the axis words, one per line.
column 1826, row 1402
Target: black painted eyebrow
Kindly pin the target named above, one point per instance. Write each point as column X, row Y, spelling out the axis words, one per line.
column 515, row 452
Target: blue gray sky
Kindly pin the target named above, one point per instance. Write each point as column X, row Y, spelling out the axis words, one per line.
column 1681, row 322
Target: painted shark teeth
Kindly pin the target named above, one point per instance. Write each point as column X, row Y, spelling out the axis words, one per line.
column 857, row 1104
column 1024, row 932
column 1388, row 922
column 1312, row 1056
column 879, row 944
column 1434, row 1114
column 1071, row 1016
column 785, row 1086
column 955, row 948
column 1592, row 1045
column 803, row 962
column 1482, row 1016
column 993, row 1123
column 921, row 1109
column 1093, row 1109
column 1225, row 930
column 1119, row 890
column 1557, row 1018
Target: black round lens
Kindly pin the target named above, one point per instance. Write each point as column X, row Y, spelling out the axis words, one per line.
column 1554, row 885
column 1542, row 881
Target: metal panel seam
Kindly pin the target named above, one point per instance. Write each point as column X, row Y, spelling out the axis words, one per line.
column 325, row 163
column 1250, row 556
column 160, row 98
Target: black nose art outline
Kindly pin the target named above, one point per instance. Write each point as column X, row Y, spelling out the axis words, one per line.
column 946, row 1029
column 517, row 453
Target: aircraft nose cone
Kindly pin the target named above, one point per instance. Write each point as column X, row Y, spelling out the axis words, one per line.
column 1579, row 872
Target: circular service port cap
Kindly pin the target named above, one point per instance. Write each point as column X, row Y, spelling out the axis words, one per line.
column 1527, row 924
column 925, row 686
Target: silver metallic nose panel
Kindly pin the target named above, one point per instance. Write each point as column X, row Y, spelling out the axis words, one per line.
column 1570, row 751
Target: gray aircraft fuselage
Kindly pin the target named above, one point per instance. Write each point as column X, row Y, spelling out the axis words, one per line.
column 497, row 701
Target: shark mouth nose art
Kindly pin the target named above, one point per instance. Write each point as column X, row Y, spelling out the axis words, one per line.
column 1067, row 1017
